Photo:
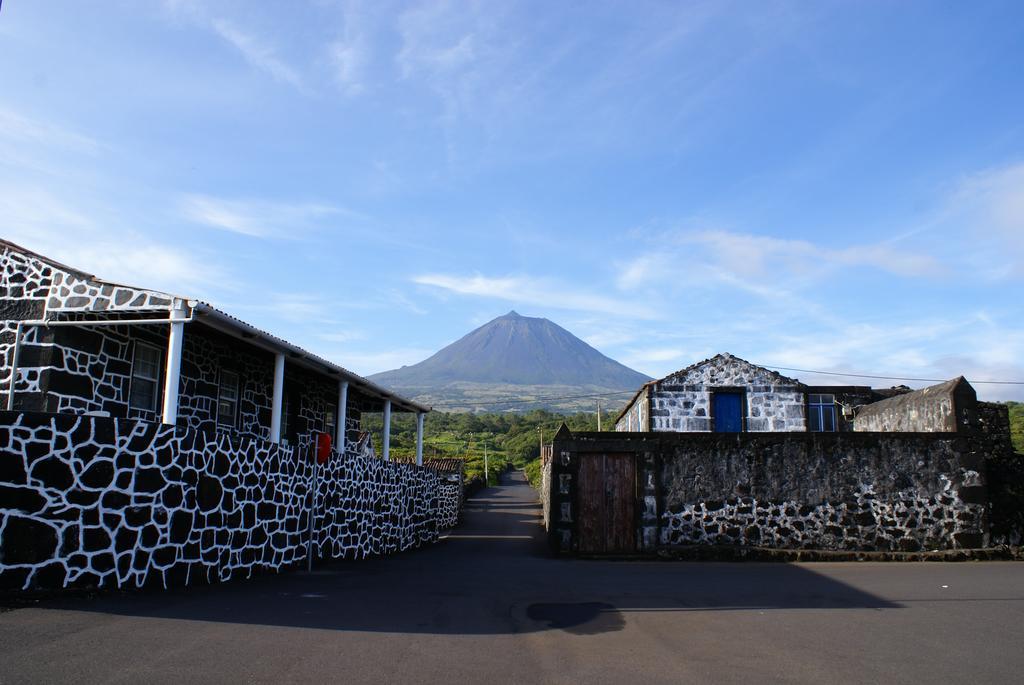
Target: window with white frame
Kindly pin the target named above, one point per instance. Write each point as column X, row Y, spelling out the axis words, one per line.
column 145, row 386
column 227, row 399
column 821, row 413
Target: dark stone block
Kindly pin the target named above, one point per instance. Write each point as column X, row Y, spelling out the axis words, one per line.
column 82, row 498
column 103, row 562
column 864, row 518
column 27, row 541
column 53, row 473
column 150, row 536
column 124, row 563
column 69, row 541
column 977, row 494
column 95, row 539
column 123, row 481
column 909, row 545
column 77, row 385
column 969, row 540
column 136, row 517
column 140, row 560
column 26, row 500
column 172, row 496
column 12, row 468
column 149, row 480
column 13, row 578
column 209, row 493
column 181, row 526
column 165, row 556
column 125, row 538
column 50, row 576
column 115, row 500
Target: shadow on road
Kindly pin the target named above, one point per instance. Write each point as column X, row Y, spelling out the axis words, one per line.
column 491, row 575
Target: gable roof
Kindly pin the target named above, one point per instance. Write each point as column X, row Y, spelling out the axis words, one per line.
column 777, row 377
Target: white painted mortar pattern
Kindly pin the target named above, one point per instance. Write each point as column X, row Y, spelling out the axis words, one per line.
column 910, row 523
column 123, row 503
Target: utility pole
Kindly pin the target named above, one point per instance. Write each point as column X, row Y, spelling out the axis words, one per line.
column 487, row 474
column 599, row 416
column 540, row 429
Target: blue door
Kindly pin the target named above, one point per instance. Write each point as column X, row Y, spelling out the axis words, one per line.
column 728, row 412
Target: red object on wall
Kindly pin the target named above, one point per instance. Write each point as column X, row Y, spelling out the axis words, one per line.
column 323, row 448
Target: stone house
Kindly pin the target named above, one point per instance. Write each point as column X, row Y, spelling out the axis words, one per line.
column 153, row 440
column 726, row 394
column 72, row 343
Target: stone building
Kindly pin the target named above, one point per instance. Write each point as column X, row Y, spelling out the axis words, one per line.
column 726, row 394
column 72, row 343
column 152, row 440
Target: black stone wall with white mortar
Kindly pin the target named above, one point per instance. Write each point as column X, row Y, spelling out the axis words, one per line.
column 833, row 491
column 88, row 501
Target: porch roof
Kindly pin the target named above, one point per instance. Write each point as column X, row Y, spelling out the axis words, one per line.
column 232, row 325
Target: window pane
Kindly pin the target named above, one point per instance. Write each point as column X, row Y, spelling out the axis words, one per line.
column 228, row 386
column 828, row 416
column 815, row 418
column 146, row 362
column 143, row 394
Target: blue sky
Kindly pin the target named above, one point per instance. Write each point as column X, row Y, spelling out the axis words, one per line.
column 833, row 186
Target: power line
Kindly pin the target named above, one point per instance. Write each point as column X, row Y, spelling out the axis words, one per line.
column 890, row 378
column 519, row 400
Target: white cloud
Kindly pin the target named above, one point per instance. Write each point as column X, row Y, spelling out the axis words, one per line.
column 18, row 128
column 343, row 336
column 256, row 52
column 366, row 363
column 536, row 291
column 989, row 207
column 348, row 58
column 769, row 267
column 437, row 39
column 256, row 218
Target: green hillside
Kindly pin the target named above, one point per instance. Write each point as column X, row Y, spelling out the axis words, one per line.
column 511, row 440
column 1017, row 425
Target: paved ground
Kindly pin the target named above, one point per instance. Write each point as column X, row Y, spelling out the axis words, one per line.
column 486, row 605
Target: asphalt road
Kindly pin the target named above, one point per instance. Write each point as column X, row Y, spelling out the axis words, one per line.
column 486, row 605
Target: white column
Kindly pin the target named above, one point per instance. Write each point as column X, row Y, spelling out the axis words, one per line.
column 172, row 375
column 275, row 411
column 419, row 438
column 387, row 431
column 342, row 416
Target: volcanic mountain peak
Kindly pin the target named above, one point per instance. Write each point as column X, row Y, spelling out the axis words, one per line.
column 515, row 350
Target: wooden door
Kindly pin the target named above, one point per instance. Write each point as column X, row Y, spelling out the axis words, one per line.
column 607, row 503
column 728, row 410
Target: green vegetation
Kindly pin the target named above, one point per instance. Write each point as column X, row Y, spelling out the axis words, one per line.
column 1017, row 425
column 532, row 471
column 511, row 440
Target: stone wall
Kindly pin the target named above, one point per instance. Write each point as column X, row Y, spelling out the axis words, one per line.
column 87, row 501
column 943, row 408
column 682, row 402
column 836, row 491
column 449, row 504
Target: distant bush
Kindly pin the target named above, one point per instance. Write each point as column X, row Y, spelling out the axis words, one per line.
column 533, row 472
